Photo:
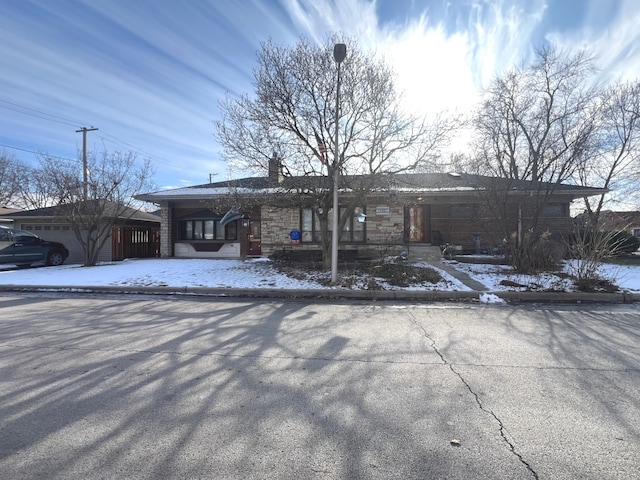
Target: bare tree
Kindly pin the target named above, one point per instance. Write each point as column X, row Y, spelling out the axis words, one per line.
column 614, row 159
column 11, row 175
column 535, row 123
column 293, row 113
column 113, row 180
column 39, row 191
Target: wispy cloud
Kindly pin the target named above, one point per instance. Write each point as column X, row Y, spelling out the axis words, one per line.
column 441, row 60
column 615, row 44
column 150, row 74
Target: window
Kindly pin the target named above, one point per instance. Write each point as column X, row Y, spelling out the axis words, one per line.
column 635, row 232
column 555, row 210
column 353, row 230
column 207, row 230
column 309, row 225
column 463, row 210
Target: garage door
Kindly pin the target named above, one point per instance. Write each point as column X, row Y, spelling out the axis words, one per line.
column 58, row 233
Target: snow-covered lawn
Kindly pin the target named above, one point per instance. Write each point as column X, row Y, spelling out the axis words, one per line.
column 254, row 273
column 260, row 273
column 502, row 277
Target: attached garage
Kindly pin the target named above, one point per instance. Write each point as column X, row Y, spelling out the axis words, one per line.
column 56, row 232
column 135, row 235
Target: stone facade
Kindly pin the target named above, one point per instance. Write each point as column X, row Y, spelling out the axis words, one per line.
column 384, row 225
column 276, row 224
column 384, row 228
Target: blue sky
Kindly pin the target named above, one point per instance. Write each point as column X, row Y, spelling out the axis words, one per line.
column 149, row 73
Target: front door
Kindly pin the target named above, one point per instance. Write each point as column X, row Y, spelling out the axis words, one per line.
column 255, row 241
column 417, row 224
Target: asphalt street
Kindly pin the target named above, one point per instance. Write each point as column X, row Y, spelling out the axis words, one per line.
column 176, row 387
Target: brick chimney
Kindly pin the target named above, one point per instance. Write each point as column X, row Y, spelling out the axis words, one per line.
column 275, row 169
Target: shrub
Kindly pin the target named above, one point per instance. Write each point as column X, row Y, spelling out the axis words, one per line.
column 537, row 253
column 588, row 249
column 623, row 243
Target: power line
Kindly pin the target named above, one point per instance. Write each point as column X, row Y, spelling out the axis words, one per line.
column 37, row 153
column 23, row 109
column 136, row 149
column 15, row 107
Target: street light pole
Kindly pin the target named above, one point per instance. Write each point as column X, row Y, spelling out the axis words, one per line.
column 339, row 53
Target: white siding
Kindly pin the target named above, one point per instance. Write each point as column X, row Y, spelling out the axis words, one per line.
column 228, row 250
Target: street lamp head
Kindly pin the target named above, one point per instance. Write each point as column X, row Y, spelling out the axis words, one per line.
column 339, row 52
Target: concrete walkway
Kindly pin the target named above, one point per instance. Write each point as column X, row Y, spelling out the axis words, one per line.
column 463, row 277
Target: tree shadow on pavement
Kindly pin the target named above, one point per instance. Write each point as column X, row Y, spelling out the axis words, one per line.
column 231, row 389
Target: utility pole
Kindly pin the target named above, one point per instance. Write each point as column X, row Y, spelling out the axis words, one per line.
column 85, row 167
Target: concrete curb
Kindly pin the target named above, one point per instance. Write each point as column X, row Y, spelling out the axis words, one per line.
column 340, row 294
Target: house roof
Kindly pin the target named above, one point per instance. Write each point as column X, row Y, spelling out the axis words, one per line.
column 7, row 210
column 4, row 211
column 621, row 219
column 59, row 211
column 435, row 184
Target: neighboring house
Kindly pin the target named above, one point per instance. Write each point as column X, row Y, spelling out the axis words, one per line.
column 134, row 235
column 403, row 211
column 5, row 211
column 611, row 221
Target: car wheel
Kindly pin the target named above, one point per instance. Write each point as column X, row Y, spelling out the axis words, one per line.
column 55, row 258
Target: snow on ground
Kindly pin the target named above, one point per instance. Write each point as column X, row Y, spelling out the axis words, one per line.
column 254, row 273
column 627, row 277
column 260, row 273
column 502, row 277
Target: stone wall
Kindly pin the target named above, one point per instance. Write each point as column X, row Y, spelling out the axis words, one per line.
column 276, row 224
column 385, row 225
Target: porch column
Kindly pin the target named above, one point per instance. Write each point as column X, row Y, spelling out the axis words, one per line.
column 166, row 242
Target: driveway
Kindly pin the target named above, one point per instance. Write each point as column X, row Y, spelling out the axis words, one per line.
column 155, row 387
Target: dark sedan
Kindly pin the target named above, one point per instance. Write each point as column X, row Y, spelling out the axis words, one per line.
column 22, row 248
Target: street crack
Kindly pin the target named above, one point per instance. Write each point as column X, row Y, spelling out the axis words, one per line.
column 502, row 428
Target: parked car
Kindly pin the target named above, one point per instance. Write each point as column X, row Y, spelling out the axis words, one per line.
column 22, row 248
